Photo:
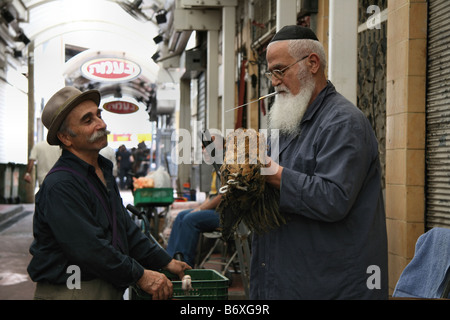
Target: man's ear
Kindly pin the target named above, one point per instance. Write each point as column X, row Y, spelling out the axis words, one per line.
column 64, row 138
column 314, row 63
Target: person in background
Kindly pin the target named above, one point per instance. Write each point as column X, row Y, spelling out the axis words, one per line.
column 80, row 225
column 124, row 162
column 189, row 224
column 334, row 244
column 44, row 156
column 110, row 154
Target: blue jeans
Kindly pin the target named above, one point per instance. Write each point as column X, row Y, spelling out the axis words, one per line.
column 186, row 230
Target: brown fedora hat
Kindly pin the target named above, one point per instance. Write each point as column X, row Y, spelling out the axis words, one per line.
column 59, row 106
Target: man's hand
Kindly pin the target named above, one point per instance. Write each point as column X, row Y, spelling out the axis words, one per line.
column 272, row 171
column 156, row 284
column 177, row 267
column 27, row 177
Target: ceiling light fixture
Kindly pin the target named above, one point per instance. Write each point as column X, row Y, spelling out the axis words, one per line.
column 7, row 15
column 156, row 56
column 161, row 17
column 158, row 39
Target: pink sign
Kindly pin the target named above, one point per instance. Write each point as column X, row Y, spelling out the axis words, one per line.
column 121, row 107
column 110, row 69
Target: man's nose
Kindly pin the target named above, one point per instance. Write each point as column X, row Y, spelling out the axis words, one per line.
column 101, row 124
column 276, row 82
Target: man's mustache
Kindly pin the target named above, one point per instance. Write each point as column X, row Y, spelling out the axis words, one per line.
column 282, row 88
column 98, row 135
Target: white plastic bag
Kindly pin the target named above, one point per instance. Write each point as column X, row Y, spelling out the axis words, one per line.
column 160, row 177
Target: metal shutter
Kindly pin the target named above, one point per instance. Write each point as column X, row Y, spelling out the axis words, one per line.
column 438, row 116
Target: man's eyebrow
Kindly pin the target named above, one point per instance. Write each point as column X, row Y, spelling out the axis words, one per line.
column 278, row 66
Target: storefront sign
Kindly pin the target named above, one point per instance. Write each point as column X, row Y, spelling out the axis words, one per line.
column 119, row 137
column 110, row 69
column 121, row 107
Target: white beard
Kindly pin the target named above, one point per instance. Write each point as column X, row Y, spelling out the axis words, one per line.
column 287, row 111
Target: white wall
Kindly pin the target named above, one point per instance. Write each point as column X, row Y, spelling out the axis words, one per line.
column 343, row 57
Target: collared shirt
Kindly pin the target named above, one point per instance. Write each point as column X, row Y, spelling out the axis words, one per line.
column 331, row 196
column 71, row 227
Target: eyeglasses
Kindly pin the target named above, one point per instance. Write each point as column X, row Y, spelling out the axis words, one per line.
column 279, row 74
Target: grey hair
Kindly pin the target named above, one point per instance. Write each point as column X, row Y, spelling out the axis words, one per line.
column 65, row 129
column 299, row 48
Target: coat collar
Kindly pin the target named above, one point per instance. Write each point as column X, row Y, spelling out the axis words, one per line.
column 84, row 166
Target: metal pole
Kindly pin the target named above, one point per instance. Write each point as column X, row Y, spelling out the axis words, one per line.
column 212, row 98
column 31, row 118
column 228, row 66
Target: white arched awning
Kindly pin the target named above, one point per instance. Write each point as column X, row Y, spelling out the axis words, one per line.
column 119, row 28
column 101, row 25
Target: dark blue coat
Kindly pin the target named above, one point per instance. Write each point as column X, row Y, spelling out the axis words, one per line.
column 332, row 197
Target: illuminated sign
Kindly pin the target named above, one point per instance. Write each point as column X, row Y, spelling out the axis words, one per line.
column 110, row 69
column 129, row 137
column 119, row 137
column 121, row 107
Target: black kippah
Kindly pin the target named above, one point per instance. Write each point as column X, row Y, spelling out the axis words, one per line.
column 294, row 33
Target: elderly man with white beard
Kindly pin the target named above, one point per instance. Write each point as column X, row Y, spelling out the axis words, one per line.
column 334, row 244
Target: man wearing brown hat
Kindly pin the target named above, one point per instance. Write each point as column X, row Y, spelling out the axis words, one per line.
column 334, row 243
column 85, row 244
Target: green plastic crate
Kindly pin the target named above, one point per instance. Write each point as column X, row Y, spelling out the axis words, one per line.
column 207, row 285
column 153, row 197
